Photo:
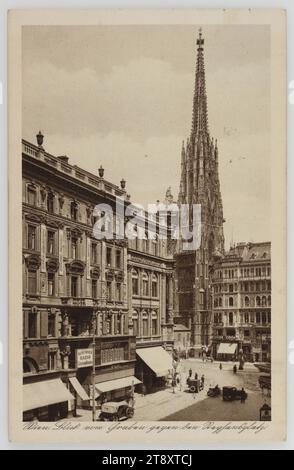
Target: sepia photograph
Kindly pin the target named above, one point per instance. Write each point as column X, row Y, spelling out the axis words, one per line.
column 146, row 208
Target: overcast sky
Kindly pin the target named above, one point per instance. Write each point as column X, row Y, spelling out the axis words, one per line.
column 122, row 97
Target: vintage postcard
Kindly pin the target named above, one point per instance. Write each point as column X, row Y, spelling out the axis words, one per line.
column 147, row 192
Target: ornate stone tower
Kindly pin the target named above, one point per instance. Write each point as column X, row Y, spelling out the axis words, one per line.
column 199, row 185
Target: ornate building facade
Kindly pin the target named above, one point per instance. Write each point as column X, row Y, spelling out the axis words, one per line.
column 76, row 288
column 242, row 303
column 199, row 185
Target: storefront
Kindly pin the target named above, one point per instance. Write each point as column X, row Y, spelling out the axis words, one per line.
column 47, row 400
column 227, row 351
column 154, row 367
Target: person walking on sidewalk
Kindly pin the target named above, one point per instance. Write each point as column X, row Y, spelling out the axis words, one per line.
column 202, row 381
column 190, row 372
column 196, row 376
column 220, row 366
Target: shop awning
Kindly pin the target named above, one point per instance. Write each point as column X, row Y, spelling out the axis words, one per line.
column 157, row 359
column 227, row 348
column 116, row 384
column 47, row 392
column 78, row 388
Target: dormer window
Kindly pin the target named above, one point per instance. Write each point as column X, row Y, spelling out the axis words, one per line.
column 253, row 256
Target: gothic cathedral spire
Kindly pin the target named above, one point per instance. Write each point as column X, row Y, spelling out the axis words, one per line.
column 199, row 185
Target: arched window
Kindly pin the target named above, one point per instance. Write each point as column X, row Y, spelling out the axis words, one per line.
column 145, row 284
column 154, row 323
column 269, row 301
column 231, row 318
column 154, row 285
column 231, row 301
column 246, row 301
column 135, row 319
column 29, row 366
column 145, row 331
column 135, row 282
column 220, row 302
column 263, row 301
column 257, row 301
column 215, row 302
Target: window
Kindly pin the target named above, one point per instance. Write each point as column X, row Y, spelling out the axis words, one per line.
column 32, row 282
column 118, row 292
column 94, row 288
column 231, row 288
column 73, row 210
column 135, row 282
column 263, row 301
column 32, row 237
column 154, row 286
column 231, row 301
column 135, row 323
column 50, row 203
column 231, row 318
column 108, row 290
column 50, row 242
column 246, row 302
column 154, row 324
column 118, row 259
column 51, row 286
column 269, row 300
column 32, row 196
column 118, row 324
column 264, row 318
column 74, row 248
column 74, row 286
column 108, row 256
column 145, row 324
column 145, row 284
column 246, row 318
column 258, row 301
column 32, row 325
column 220, row 302
column 94, row 253
column 257, row 317
column 51, row 325
column 247, row 333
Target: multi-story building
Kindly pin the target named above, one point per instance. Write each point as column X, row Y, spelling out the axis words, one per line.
column 242, row 303
column 76, row 290
column 199, row 185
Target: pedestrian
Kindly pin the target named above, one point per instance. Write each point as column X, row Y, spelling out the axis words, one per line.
column 235, row 369
column 196, row 376
column 243, row 396
column 143, row 390
column 190, row 372
column 220, row 366
column 202, row 380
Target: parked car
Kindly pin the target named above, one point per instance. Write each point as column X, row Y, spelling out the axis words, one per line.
column 232, row 393
column 114, row 411
column 214, row 392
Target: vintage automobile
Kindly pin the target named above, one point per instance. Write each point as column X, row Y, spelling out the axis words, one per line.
column 115, row 411
column 214, row 391
column 232, row 393
column 194, row 385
